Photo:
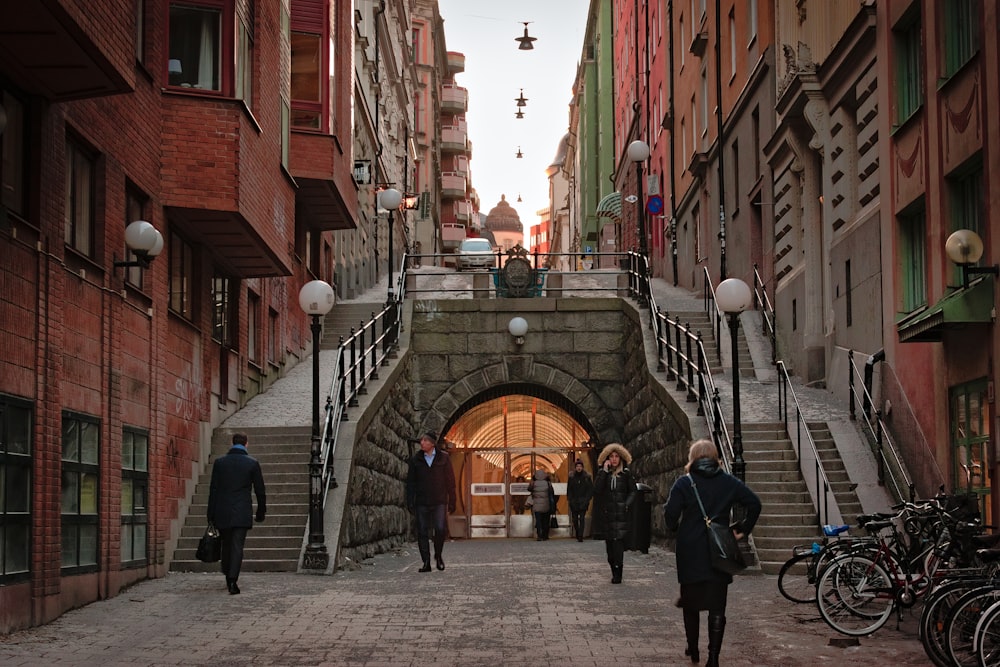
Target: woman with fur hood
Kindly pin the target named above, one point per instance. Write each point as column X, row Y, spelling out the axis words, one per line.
column 615, row 485
column 541, row 506
column 704, row 588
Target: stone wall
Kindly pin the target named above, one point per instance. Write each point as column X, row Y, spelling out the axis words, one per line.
column 589, row 351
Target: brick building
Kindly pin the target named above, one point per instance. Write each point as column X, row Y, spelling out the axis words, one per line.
column 226, row 124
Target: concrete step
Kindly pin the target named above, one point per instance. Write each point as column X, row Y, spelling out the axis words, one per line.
column 789, row 515
column 275, row 565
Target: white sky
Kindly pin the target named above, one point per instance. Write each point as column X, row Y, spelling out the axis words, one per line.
column 496, row 71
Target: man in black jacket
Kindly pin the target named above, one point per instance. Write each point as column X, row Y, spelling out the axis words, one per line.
column 579, row 491
column 229, row 505
column 430, row 494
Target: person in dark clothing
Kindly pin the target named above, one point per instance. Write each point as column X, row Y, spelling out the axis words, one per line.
column 542, row 503
column 579, row 491
column 615, row 486
column 430, row 494
column 230, row 508
column 702, row 587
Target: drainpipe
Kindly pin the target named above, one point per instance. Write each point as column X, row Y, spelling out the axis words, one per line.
column 721, row 138
column 673, row 144
column 866, row 406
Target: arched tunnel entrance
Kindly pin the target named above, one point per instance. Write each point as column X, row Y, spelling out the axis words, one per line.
column 496, row 441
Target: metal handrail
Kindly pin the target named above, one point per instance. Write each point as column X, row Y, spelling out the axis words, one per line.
column 712, row 305
column 680, row 352
column 767, row 316
column 358, row 359
column 827, row 509
column 882, row 444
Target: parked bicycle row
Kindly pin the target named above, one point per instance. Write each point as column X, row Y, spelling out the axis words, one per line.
column 931, row 551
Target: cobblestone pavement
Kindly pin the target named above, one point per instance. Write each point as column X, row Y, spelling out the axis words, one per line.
column 499, row 602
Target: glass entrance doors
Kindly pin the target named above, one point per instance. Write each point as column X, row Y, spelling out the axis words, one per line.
column 496, row 488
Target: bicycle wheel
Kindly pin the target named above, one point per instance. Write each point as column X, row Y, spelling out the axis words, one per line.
column 960, row 628
column 988, row 637
column 935, row 615
column 855, row 595
column 797, row 578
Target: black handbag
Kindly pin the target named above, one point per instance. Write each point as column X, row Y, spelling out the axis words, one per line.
column 723, row 549
column 210, row 546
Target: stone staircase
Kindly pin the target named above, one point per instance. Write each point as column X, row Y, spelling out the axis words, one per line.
column 346, row 316
column 700, row 322
column 788, row 517
column 836, row 473
column 276, row 544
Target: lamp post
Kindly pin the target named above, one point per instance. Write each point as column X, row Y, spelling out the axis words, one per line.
column 733, row 296
column 316, row 299
column 638, row 152
column 390, row 199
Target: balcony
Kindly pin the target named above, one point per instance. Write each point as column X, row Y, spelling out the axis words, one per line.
column 452, row 186
column 457, row 163
column 454, row 139
column 454, row 99
column 456, row 62
column 64, row 50
column 326, row 194
column 463, row 211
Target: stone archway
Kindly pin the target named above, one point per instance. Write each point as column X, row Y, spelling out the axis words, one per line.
column 603, row 422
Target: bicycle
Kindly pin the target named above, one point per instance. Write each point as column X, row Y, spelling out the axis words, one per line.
column 797, row 577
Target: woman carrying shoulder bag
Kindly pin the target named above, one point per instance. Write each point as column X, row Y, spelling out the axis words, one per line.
column 704, row 588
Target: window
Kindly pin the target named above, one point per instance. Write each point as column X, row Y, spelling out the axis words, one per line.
column 253, row 327
column 222, row 310
column 13, row 156
column 961, row 33
column 79, row 221
column 181, row 276
column 286, row 129
column 752, row 20
column 80, row 483
column 847, row 293
column 682, row 42
column 15, row 489
column 135, row 209
column 196, row 43
column 135, row 494
column 755, row 138
column 704, row 101
column 273, row 336
column 908, row 85
column 965, row 202
column 310, row 67
column 736, row 174
column 244, row 63
column 732, row 43
column 694, row 127
column 140, row 31
column 684, row 142
column 912, row 254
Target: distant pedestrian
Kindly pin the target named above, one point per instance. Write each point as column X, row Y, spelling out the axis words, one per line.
column 542, row 504
column 430, row 494
column 616, row 488
column 704, row 588
column 579, row 491
column 230, row 508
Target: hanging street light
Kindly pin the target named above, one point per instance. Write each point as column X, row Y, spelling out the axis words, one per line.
column 518, row 114
column 525, row 41
column 522, row 100
column 519, row 153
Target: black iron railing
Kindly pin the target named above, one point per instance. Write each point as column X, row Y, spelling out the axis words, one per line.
column 762, row 304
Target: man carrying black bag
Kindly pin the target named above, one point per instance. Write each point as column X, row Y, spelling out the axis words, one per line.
column 230, row 508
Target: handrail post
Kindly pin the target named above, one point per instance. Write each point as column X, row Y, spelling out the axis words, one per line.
column 354, row 370
column 850, row 385
column 690, row 365
column 680, row 352
column 343, row 380
column 880, row 459
column 362, row 361
column 374, row 360
column 669, row 345
column 702, row 369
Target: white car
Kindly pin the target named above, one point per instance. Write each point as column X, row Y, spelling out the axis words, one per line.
column 475, row 253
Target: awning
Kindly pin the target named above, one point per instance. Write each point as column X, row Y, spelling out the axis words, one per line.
column 610, row 206
column 964, row 306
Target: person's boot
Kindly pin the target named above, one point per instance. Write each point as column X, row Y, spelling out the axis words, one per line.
column 426, row 567
column 439, row 561
column 691, row 620
column 616, row 574
column 716, row 630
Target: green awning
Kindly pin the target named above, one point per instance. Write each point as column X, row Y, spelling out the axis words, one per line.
column 610, row 206
column 964, row 306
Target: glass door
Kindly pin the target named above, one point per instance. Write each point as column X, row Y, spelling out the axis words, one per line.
column 970, row 438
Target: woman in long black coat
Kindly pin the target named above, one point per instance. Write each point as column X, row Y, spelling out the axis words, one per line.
column 702, row 587
column 615, row 486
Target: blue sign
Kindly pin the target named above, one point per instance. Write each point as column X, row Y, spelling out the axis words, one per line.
column 589, row 249
column 654, row 204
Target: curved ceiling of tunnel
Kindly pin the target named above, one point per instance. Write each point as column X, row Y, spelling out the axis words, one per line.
column 516, row 421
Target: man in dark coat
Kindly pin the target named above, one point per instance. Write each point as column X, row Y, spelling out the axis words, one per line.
column 430, row 494
column 579, row 491
column 229, row 505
